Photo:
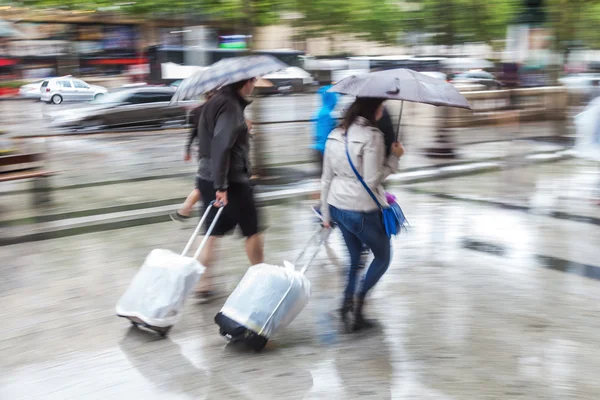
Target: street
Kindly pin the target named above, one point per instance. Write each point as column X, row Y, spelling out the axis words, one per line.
column 482, row 301
column 492, row 292
column 481, row 119
column 25, row 117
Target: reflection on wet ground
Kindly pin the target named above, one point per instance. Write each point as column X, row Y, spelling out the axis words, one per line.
column 557, row 264
column 589, row 271
column 453, row 323
column 565, row 190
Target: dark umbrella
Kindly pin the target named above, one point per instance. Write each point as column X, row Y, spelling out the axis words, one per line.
column 225, row 72
column 402, row 84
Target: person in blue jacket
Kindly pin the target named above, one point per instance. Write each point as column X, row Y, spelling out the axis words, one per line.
column 324, row 123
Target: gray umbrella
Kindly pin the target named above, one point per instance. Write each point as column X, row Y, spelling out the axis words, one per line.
column 225, row 72
column 402, row 84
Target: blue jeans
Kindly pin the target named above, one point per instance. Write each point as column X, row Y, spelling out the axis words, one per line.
column 358, row 228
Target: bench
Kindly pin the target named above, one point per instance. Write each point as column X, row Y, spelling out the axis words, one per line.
column 14, row 167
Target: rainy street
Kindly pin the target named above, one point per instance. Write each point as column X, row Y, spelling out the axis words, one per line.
column 493, row 293
column 455, row 144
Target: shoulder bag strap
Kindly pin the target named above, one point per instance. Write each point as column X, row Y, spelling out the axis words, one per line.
column 362, row 181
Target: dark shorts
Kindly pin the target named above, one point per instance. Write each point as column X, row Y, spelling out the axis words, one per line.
column 240, row 210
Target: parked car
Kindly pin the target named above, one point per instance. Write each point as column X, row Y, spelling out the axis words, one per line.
column 478, row 78
column 31, row 90
column 125, row 108
column 288, row 80
column 67, row 88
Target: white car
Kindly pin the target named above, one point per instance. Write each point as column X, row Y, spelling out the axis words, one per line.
column 67, row 88
column 31, row 90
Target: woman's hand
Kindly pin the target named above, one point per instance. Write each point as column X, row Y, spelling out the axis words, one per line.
column 326, row 224
column 397, row 149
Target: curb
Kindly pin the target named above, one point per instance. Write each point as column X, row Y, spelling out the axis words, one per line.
column 71, row 224
column 275, row 167
column 124, row 219
column 490, row 201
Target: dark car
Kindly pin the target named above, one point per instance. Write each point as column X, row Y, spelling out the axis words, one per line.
column 141, row 106
column 478, row 78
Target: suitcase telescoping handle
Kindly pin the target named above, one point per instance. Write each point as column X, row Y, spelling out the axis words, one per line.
column 197, row 230
column 317, row 239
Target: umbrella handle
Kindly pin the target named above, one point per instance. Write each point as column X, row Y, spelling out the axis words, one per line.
column 399, row 120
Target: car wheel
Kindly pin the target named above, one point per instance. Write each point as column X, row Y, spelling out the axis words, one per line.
column 56, row 99
column 98, row 96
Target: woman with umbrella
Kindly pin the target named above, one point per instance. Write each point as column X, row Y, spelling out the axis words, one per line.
column 350, row 206
column 356, row 164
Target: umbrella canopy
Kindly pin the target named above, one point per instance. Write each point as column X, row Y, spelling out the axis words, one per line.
column 402, row 84
column 225, row 72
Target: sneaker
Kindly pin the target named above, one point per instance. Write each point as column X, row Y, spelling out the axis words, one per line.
column 178, row 217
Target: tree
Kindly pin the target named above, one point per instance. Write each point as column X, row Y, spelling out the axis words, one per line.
column 456, row 21
column 574, row 22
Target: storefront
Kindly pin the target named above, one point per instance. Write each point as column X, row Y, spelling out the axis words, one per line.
column 47, row 49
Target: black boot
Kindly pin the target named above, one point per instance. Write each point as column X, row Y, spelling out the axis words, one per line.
column 347, row 307
column 359, row 321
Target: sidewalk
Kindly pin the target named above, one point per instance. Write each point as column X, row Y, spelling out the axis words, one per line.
column 105, row 158
column 89, row 208
column 454, row 322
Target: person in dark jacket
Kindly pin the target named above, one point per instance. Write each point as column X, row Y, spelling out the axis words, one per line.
column 224, row 174
column 183, row 214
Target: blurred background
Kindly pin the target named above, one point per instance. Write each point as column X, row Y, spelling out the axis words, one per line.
column 503, row 199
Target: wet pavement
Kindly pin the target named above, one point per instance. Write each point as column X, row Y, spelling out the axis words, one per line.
column 480, row 302
column 563, row 189
column 492, row 294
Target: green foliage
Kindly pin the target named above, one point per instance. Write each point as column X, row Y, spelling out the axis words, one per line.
column 458, row 21
column 575, row 22
column 447, row 21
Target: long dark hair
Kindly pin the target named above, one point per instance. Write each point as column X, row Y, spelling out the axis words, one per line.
column 365, row 107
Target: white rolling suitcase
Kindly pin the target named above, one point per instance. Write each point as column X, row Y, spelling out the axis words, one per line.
column 157, row 294
column 267, row 299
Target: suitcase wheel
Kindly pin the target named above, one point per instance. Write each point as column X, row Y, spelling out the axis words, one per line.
column 256, row 342
column 163, row 332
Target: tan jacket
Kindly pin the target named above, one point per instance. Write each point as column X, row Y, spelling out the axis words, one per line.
column 340, row 187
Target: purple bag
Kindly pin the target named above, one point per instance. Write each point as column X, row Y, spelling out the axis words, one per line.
column 390, row 198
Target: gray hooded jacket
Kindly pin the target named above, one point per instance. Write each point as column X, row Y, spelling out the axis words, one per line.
column 224, row 140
